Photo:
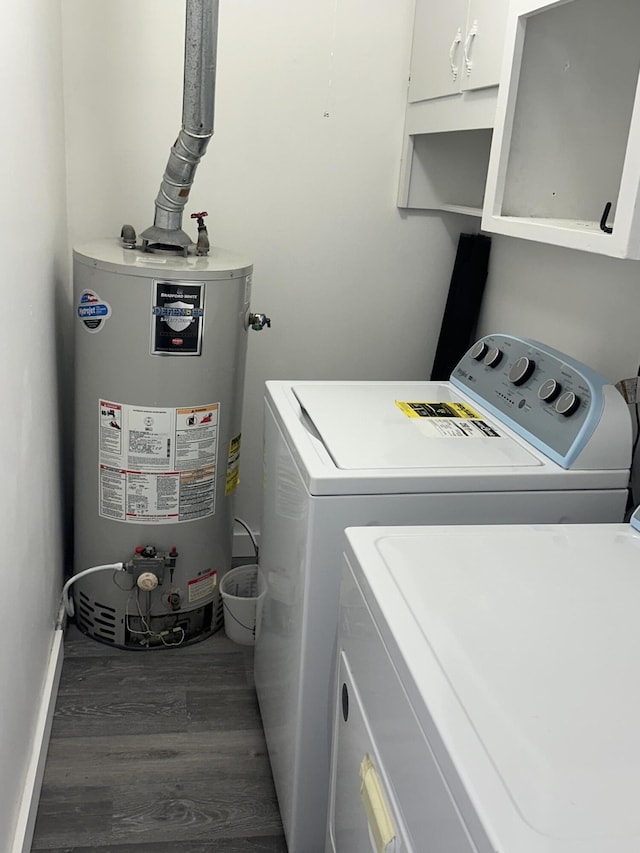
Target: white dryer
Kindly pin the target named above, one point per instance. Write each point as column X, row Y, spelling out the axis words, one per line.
column 488, row 695
column 520, row 433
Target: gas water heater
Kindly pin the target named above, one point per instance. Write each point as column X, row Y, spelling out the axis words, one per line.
column 161, row 338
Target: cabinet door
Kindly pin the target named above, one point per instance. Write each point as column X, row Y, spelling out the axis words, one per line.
column 437, row 54
column 481, row 55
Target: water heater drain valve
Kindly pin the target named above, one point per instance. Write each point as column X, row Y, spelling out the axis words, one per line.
column 148, row 566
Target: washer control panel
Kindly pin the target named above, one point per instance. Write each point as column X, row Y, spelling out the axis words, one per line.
column 549, row 398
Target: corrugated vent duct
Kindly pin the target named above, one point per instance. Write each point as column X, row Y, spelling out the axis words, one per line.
column 201, row 35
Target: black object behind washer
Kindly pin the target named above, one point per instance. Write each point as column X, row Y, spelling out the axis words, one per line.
column 458, row 328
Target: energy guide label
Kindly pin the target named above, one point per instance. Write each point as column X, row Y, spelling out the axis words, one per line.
column 448, row 420
column 157, row 465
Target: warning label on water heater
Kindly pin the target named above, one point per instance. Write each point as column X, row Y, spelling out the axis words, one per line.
column 157, row 465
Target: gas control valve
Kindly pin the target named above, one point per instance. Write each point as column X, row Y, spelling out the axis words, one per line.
column 148, row 566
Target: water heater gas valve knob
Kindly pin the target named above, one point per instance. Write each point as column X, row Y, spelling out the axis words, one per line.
column 259, row 321
column 146, row 551
column 148, row 561
column 147, row 581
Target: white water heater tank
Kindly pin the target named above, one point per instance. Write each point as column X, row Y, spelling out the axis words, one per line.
column 160, row 356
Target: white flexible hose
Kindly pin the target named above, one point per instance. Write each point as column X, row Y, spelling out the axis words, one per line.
column 66, row 598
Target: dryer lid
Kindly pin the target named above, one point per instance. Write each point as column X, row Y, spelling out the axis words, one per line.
column 536, row 632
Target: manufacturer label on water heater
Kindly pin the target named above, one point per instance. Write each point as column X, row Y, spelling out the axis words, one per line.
column 92, row 311
column 177, row 318
column 156, row 465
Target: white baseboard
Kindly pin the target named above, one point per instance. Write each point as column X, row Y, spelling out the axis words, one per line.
column 28, row 810
column 242, row 544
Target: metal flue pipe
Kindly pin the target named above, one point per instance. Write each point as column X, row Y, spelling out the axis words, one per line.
column 201, row 34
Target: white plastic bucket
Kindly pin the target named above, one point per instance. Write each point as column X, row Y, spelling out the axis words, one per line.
column 243, row 590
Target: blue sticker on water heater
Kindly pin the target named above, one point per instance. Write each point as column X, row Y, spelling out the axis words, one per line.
column 92, row 310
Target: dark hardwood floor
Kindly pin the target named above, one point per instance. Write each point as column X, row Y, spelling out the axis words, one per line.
column 157, row 752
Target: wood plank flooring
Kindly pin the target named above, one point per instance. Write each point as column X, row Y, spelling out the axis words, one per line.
column 157, row 752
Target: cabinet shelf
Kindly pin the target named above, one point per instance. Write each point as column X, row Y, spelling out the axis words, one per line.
column 567, row 129
column 584, row 235
column 462, row 208
column 446, row 171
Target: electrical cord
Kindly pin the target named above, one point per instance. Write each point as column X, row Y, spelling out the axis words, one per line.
column 123, row 588
column 148, row 632
column 635, row 440
column 251, row 536
column 66, row 598
column 631, row 503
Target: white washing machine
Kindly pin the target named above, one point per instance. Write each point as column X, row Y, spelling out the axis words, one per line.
column 519, row 433
column 488, row 695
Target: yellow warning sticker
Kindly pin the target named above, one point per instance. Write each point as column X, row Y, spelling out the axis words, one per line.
column 438, row 410
column 233, row 465
column 448, row 420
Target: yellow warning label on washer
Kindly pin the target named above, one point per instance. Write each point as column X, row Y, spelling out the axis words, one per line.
column 448, row 420
column 437, row 410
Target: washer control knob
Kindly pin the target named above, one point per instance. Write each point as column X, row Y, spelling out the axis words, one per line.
column 549, row 390
column 521, row 370
column 478, row 351
column 493, row 357
column 567, row 403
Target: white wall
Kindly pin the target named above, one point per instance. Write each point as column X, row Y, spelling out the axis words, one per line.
column 32, row 247
column 301, row 175
column 583, row 304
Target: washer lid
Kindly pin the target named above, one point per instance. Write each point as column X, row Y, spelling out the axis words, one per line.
column 371, row 426
column 536, row 634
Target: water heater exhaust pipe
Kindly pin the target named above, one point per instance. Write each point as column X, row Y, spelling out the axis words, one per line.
column 201, row 34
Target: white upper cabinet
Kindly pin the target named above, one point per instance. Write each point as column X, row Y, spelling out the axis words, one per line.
column 564, row 167
column 438, row 34
column 484, row 44
column 457, row 47
column 457, row 53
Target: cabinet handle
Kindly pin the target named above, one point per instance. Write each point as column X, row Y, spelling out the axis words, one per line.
column 468, row 62
column 452, row 53
column 603, row 219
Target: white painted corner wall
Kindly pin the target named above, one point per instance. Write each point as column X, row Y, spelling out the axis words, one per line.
column 34, row 288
